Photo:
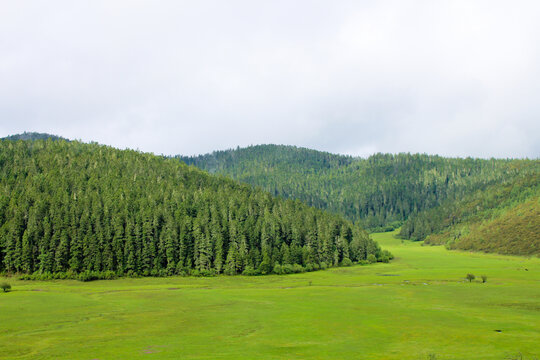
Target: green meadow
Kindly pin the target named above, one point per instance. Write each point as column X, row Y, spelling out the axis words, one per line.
column 419, row 306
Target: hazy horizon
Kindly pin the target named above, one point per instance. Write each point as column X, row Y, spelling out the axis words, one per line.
column 286, row 145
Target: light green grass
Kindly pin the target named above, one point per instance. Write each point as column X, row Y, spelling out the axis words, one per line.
column 346, row 313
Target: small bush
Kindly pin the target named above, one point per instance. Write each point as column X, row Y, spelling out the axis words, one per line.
column 388, row 254
column 5, row 286
column 277, row 269
column 287, row 269
column 250, row 271
column 471, row 277
column 346, row 262
column 207, row 273
column 372, row 258
column 181, row 270
column 195, row 272
column 484, row 278
column 154, row 273
column 265, row 267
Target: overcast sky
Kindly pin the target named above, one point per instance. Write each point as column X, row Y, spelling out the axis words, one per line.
column 458, row 78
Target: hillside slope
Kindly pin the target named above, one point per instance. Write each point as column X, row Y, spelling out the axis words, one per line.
column 69, row 206
column 377, row 192
column 501, row 218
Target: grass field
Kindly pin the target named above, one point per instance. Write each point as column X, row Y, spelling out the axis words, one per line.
column 417, row 307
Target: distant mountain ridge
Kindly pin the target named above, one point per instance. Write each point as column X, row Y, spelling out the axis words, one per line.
column 33, row 136
column 386, row 191
column 379, row 191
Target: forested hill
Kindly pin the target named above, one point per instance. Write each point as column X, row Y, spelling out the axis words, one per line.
column 379, row 192
column 74, row 207
column 502, row 218
column 261, row 158
column 33, row 136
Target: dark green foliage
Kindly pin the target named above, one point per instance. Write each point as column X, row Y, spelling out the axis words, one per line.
column 84, row 211
column 5, row 287
column 501, row 218
column 379, row 192
column 483, row 205
column 484, row 278
column 471, row 277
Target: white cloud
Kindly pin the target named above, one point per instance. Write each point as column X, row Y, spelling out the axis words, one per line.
column 453, row 78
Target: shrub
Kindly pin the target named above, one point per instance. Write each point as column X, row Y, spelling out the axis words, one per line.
column 265, row 267
column 181, row 270
column 372, row 258
column 484, row 278
column 154, row 273
column 471, row 277
column 131, row 274
column 250, row 271
column 277, row 269
column 195, row 272
column 346, row 262
column 287, row 269
column 109, row 275
column 388, row 254
column 60, row 275
column 85, row 276
column 207, row 273
column 324, row 266
column 5, row 286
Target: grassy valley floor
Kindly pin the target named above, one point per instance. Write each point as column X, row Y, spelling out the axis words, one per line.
column 417, row 307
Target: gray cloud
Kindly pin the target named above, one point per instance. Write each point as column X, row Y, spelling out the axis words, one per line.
column 452, row 78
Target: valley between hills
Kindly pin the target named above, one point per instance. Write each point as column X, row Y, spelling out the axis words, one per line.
column 265, row 252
